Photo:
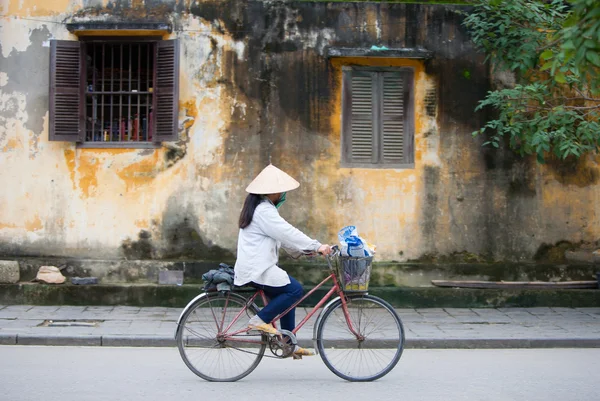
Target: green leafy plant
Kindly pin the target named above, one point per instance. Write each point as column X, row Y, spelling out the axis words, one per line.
column 552, row 48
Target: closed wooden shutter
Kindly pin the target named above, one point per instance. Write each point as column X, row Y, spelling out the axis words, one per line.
column 66, row 91
column 377, row 121
column 394, row 102
column 359, row 116
column 167, row 91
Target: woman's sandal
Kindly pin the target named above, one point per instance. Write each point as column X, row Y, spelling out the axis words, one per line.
column 265, row 328
column 300, row 352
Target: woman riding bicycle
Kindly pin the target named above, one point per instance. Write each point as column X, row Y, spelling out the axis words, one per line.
column 262, row 232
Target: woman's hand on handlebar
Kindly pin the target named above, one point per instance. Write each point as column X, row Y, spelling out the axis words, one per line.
column 324, row 249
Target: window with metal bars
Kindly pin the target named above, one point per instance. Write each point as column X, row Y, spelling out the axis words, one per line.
column 114, row 92
column 377, row 117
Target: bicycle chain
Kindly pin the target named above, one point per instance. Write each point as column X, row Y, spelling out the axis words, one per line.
column 288, row 349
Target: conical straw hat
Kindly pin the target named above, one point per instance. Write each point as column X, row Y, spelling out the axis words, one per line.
column 272, row 181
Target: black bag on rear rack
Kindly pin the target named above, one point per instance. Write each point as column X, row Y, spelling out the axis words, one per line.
column 220, row 279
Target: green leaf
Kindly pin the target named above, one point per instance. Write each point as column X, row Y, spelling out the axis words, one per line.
column 533, row 116
column 595, row 13
column 593, row 57
column 571, row 21
column 546, row 55
column 540, row 158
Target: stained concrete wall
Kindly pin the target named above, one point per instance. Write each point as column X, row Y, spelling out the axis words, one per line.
column 255, row 84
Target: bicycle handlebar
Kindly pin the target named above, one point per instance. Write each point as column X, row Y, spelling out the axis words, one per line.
column 335, row 250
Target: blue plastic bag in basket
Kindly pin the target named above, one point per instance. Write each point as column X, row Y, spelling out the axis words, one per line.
column 352, row 244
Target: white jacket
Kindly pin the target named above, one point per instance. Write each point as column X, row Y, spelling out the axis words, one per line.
column 259, row 243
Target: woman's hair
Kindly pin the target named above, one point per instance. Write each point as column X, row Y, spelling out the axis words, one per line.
column 252, row 200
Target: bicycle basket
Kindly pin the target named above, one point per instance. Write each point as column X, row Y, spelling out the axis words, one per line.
column 354, row 273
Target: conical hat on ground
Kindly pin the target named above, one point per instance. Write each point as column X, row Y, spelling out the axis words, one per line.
column 50, row 275
column 272, row 181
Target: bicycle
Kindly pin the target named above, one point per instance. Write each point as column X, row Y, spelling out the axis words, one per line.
column 358, row 336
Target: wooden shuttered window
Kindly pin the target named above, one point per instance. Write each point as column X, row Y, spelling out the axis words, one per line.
column 377, row 118
column 66, row 91
column 167, row 90
column 99, row 92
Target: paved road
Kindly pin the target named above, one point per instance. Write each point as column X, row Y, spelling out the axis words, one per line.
column 425, row 328
column 145, row 374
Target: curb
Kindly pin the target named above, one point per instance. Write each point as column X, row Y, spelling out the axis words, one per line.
column 8, row 339
column 416, row 343
column 500, row 343
column 137, row 341
column 81, row 341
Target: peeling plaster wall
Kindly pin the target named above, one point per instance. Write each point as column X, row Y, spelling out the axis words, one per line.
column 255, row 85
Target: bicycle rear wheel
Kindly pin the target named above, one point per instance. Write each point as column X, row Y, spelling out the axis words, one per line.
column 377, row 348
column 207, row 351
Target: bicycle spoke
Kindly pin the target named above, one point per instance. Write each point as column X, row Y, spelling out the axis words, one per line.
column 209, row 352
column 372, row 350
column 194, row 332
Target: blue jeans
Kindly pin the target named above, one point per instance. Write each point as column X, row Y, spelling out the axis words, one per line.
column 281, row 298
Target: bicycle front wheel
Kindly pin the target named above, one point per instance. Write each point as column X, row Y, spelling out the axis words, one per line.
column 365, row 346
column 206, row 344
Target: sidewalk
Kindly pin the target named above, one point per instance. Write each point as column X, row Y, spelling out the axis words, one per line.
column 425, row 328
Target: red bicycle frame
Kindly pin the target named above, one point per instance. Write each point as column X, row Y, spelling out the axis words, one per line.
column 336, row 289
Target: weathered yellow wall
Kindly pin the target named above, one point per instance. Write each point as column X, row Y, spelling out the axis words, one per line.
column 387, row 201
column 58, row 199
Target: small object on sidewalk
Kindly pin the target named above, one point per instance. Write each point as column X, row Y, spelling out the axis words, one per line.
column 170, row 277
column 583, row 256
column 564, row 285
column 9, row 272
column 84, row 280
column 50, row 275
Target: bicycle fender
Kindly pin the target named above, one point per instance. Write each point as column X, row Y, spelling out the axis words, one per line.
column 188, row 306
column 318, row 321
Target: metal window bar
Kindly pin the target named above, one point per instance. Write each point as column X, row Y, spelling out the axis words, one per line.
column 129, row 98
column 119, row 91
column 102, row 130
column 112, row 63
column 121, row 122
column 147, row 97
column 93, row 97
column 139, row 88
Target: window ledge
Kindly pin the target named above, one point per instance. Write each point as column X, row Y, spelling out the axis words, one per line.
column 379, row 166
column 415, row 53
column 119, row 145
column 119, row 28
